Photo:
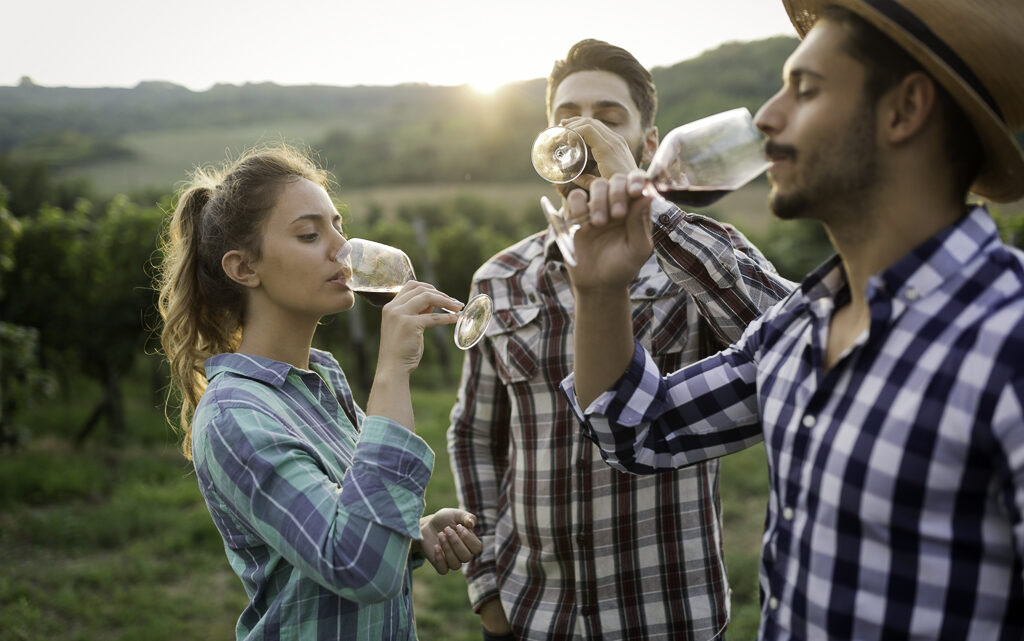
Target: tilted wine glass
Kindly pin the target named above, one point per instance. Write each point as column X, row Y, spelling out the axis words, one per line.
column 379, row 271
column 695, row 165
column 560, row 156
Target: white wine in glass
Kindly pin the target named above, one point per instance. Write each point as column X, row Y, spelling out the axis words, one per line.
column 379, row 271
column 695, row 165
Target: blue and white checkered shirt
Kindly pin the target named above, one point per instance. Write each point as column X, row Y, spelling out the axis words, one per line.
column 897, row 476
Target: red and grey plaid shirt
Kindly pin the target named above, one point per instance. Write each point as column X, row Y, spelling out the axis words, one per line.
column 574, row 548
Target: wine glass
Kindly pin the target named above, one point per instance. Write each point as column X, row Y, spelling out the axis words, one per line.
column 379, row 271
column 695, row 165
column 559, row 155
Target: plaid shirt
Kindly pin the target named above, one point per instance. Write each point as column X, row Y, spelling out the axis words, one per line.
column 897, row 477
column 316, row 503
column 575, row 549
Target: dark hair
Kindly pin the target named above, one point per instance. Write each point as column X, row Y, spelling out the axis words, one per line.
column 219, row 210
column 597, row 55
column 887, row 64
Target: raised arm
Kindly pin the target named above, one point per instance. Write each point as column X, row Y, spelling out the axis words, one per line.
column 610, row 252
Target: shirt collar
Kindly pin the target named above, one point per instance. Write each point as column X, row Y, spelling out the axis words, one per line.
column 939, row 259
column 930, row 265
column 258, row 368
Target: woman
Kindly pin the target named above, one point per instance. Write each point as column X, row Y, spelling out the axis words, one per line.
column 318, row 503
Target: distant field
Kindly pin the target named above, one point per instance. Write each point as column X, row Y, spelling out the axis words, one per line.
column 165, row 158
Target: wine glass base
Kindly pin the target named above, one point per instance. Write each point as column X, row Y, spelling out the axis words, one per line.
column 473, row 321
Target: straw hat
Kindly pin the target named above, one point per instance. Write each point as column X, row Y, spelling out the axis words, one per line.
column 975, row 49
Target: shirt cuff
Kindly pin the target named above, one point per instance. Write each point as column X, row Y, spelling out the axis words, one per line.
column 482, row 588
column 635, row 398
column 388, row 478
column 705, row 243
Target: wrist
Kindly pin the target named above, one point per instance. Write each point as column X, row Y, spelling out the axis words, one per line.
column 600, row 294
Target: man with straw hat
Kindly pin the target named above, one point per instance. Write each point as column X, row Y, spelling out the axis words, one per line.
column 889, row 387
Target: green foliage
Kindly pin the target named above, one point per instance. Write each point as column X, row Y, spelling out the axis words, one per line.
column 733, row 75
column 30, row 185
column 1011, row 225
column 23, row 384
column 795, row 247
column 81, row 283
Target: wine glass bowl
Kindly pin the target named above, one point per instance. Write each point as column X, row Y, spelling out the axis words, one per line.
column 559, row 155
column 379, row 271
column 695, row 165
column 698, row 163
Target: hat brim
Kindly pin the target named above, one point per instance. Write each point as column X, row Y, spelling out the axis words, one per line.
column 1002, row 174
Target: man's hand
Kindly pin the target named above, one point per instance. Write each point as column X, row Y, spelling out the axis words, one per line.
column 610, row 150
column 493, row 617
column 616, row 241
column 610, row 250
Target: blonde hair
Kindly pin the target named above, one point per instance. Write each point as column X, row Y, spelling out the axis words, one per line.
column 218, row 210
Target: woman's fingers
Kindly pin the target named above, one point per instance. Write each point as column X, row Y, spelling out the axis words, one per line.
column 418, row 299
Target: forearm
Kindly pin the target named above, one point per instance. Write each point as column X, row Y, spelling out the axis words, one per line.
column 729, row 278
column 391, row 398
column 603, row 341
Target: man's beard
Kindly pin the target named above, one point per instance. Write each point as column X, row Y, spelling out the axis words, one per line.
column 833, row 182
column 591, row 169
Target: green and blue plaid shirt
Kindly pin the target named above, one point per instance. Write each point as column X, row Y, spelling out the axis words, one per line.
column 317, row 503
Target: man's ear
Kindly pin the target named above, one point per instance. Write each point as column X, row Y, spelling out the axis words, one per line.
column 650, row 145
column 239, row 269
column 908, row 107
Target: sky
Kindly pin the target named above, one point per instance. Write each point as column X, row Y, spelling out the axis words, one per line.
column 482, row 43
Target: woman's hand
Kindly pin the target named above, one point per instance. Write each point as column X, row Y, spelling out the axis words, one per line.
column 401, row 347
column 448, row 539
column 403, row 321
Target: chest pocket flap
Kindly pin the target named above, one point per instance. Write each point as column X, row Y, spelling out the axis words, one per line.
column 661, row 311
column 514, row 334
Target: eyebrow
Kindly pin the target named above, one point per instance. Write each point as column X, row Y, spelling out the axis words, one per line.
column 798, row 72
column 600, row 104
column 314, row 217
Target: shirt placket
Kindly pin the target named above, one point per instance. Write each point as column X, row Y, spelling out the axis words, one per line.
column 792, row 457
column 583, row 542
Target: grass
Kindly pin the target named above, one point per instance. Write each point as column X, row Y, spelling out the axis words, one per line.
column 98, row 543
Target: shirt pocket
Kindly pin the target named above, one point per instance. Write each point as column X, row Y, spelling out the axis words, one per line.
column 514, row 334
column 661, row 322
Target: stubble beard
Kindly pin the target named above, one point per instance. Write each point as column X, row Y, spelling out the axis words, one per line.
column 835, row 185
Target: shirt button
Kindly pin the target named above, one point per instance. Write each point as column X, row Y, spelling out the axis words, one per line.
column 663, row 219
column 808, row 421
column 773, row 603
column 911, row 294
column 649, row 291
column 788, row 514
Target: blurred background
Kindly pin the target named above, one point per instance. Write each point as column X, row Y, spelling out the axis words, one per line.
column 424, row 112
